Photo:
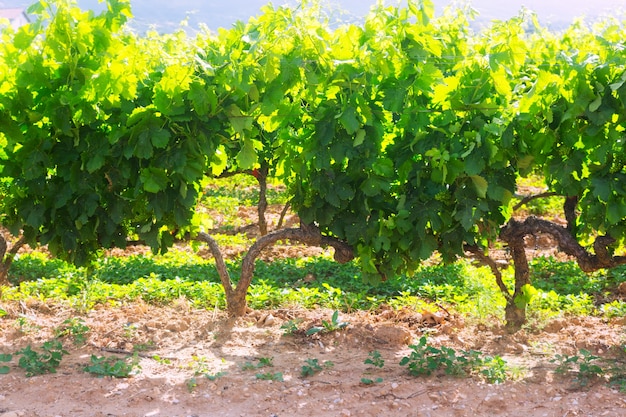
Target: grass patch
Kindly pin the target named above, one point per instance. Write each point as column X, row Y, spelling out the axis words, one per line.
column 309, row 283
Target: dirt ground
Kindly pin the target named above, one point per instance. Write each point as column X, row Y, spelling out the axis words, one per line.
column 179, row 346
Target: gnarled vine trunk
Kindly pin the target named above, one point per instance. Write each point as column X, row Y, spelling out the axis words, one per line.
column 6, row 257
column 515, row 231
column 236, row 295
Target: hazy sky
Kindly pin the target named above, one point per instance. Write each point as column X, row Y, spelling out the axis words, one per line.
column 167, row 14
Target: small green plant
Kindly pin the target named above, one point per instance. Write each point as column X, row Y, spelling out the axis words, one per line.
column 426, row 359
column 130, row 329
column 290, row 326
column 215, row 376
column 191, row 383
column 266, row 362
column 24, row 325
column 5, row 357
column 329, row 326
column 144, row 347
column 199, row 365
column 248, row 366
column 263, row 363
column 375, row 359
column 74, row 327
column 162, row 361
column 588, row 369
column 313, row 366
column 35, row 363
column 114, row 367
column 494, row 369
column 618, row 380
column 423, row 360
column 369, row 381
column 269, row 376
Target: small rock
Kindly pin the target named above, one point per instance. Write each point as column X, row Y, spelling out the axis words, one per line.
column 177, row 326
column 269, row 320
column 345, row 413
column 393, row 335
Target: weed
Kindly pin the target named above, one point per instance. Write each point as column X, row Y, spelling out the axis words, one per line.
column 494, row 369
column 25, row 326
column 130, row 330
column 269, row 376
column 162, row 361
column 74, row 327
column 585, row 366
column 191, row 383
column 110, row 366
column 199, row 365
column 215, row 376
column 615, row 308
column 248, row 366
column 368, row 381
column 375, row 359
column 290, row 326
column 263, row 362
column 144, row 347
column 35, row 363
column 426, row 359
column 329, row 326
column 5, row 357
column 313, row 366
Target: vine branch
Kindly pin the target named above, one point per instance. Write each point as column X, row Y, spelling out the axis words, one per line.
column 491, row 263
column 587, row 261
column 530, row 198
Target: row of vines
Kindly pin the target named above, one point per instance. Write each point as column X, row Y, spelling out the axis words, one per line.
column 398, row 137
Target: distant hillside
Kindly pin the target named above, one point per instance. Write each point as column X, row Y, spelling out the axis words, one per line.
column 165, row 16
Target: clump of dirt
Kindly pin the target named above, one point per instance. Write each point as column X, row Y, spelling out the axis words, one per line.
column 202, row 363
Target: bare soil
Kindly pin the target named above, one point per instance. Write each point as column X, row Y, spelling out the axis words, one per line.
column 179, row 346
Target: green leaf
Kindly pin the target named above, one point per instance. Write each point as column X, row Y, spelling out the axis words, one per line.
column 601, row 188
column 247, row 156
column 238, row 120
column 480, row 184
column 359, row 138
column 595, row 104
column 313, row 330
column 154, row 179
column 527, row 292
column 373, row 186
column 349, row 120
column 199, row 98
column 160, row 137
column 95, row 163
column 615, row 211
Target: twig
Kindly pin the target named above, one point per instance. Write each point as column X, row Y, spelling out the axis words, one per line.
column 129, row 353
column 530, row 198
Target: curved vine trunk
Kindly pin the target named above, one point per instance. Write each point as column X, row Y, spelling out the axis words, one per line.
column 515, row 231
column 236, row 296
column 515, row 312
column 6, row 259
